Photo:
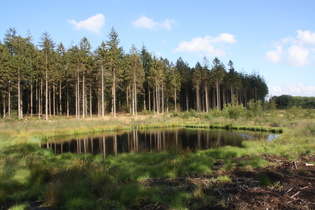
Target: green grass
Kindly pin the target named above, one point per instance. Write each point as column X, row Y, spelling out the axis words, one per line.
column 74, row 181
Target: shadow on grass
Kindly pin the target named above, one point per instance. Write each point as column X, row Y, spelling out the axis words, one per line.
column 78, row 181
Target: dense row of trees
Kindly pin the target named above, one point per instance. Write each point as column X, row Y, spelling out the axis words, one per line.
column 288, row 101
column 47, row 79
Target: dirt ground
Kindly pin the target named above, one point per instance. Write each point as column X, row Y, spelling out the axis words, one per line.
column 283, row 184
column 291, row 185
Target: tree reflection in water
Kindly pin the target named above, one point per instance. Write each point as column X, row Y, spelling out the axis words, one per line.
column 154, row 140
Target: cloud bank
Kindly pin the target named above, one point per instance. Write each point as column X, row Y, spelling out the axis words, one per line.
column 297, row 51
column 148, row 23
column 92, row 24
column 297, row 89
column 211, row 46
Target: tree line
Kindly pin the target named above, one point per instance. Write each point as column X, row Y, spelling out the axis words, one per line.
column 47, row 79
column 288, row 101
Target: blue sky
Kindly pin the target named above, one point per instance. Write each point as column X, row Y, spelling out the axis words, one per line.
column 275, row 38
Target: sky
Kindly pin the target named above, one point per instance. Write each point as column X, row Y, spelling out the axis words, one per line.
column 275, row 38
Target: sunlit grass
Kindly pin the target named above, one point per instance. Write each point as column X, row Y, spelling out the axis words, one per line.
column 74, row 181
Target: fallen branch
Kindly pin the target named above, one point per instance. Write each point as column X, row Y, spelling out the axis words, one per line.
column 288, row 191
column 302, row 188
column 295, row 194
column 309, row 164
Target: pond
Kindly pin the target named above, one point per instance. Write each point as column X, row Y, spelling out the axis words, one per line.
column 154, row 140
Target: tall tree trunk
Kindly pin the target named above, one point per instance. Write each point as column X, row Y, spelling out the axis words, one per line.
column 162, row 98
column 91, row 101
column 76, row 98
column 68, row 105
column 78, row 94
column 49, row 100
column 46, row 101
column 19, row 98
column 102, row 93
column 3, row 105
column 149, row 97
column 9, row 99
column 132, row 102
column 40, row 99
column 134, row 98
column 144, row 101
column 218, row 95
column 114, row 93
column 20, row 114
column 175, row 100
column 197, row 98
column 60, row 98
column 187, row 105
column 223, row 97
column 54, row 99
column 154, row 99
column 206, row 98
column 214, row 104
column 157, row 98
column 83, row 95
column 31, row 99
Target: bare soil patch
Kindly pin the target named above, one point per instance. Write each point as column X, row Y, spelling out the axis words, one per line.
column 283, row 184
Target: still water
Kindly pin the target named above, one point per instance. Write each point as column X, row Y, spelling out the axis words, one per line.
column 154, row 140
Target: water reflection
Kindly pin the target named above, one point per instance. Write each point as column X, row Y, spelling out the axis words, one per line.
column 153, row 140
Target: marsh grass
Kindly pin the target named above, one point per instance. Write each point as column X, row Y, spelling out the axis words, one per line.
column 20, row 207
column 74, row 181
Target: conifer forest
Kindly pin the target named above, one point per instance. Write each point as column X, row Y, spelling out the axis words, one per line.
column 46, row 79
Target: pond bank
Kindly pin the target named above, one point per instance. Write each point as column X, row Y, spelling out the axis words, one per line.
column 70, row 181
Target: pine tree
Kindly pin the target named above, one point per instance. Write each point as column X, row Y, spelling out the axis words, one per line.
column 146, row 60
column 134, row 77
column 47, row 46
column 19, row 63
column 114, row 57
column 197, row 79
column 101, row 59
column 186, row 81
column 218, row 74
column 5, row 78
column 174, row 84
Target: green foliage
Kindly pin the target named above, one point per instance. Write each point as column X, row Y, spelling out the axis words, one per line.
column 288, row 101
column 254, row 108
column 109, row 79
column 265, row 180
column 74, row 181
column 20, row 207
column 234, row 111
column 78, row 203
column 224, row 179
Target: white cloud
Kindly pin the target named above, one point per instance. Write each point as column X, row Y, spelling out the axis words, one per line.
column 306, row 37
column 148, row 23
column 226, row 38
column 274, row 56
column 145, row 22
column 206, row 44
column 298, row 56
column 167, row 24
column 296, row 51
column 93, row 24
column 297, row 89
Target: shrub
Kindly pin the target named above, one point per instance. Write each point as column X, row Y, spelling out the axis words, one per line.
column 254, row 108
column 234, row 111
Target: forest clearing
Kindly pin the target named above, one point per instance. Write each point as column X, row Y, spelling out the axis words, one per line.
column 259, row 174
column 167, row 105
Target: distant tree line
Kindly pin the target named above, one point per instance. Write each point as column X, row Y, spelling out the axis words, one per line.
column 288, row 101
column 46, row 79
